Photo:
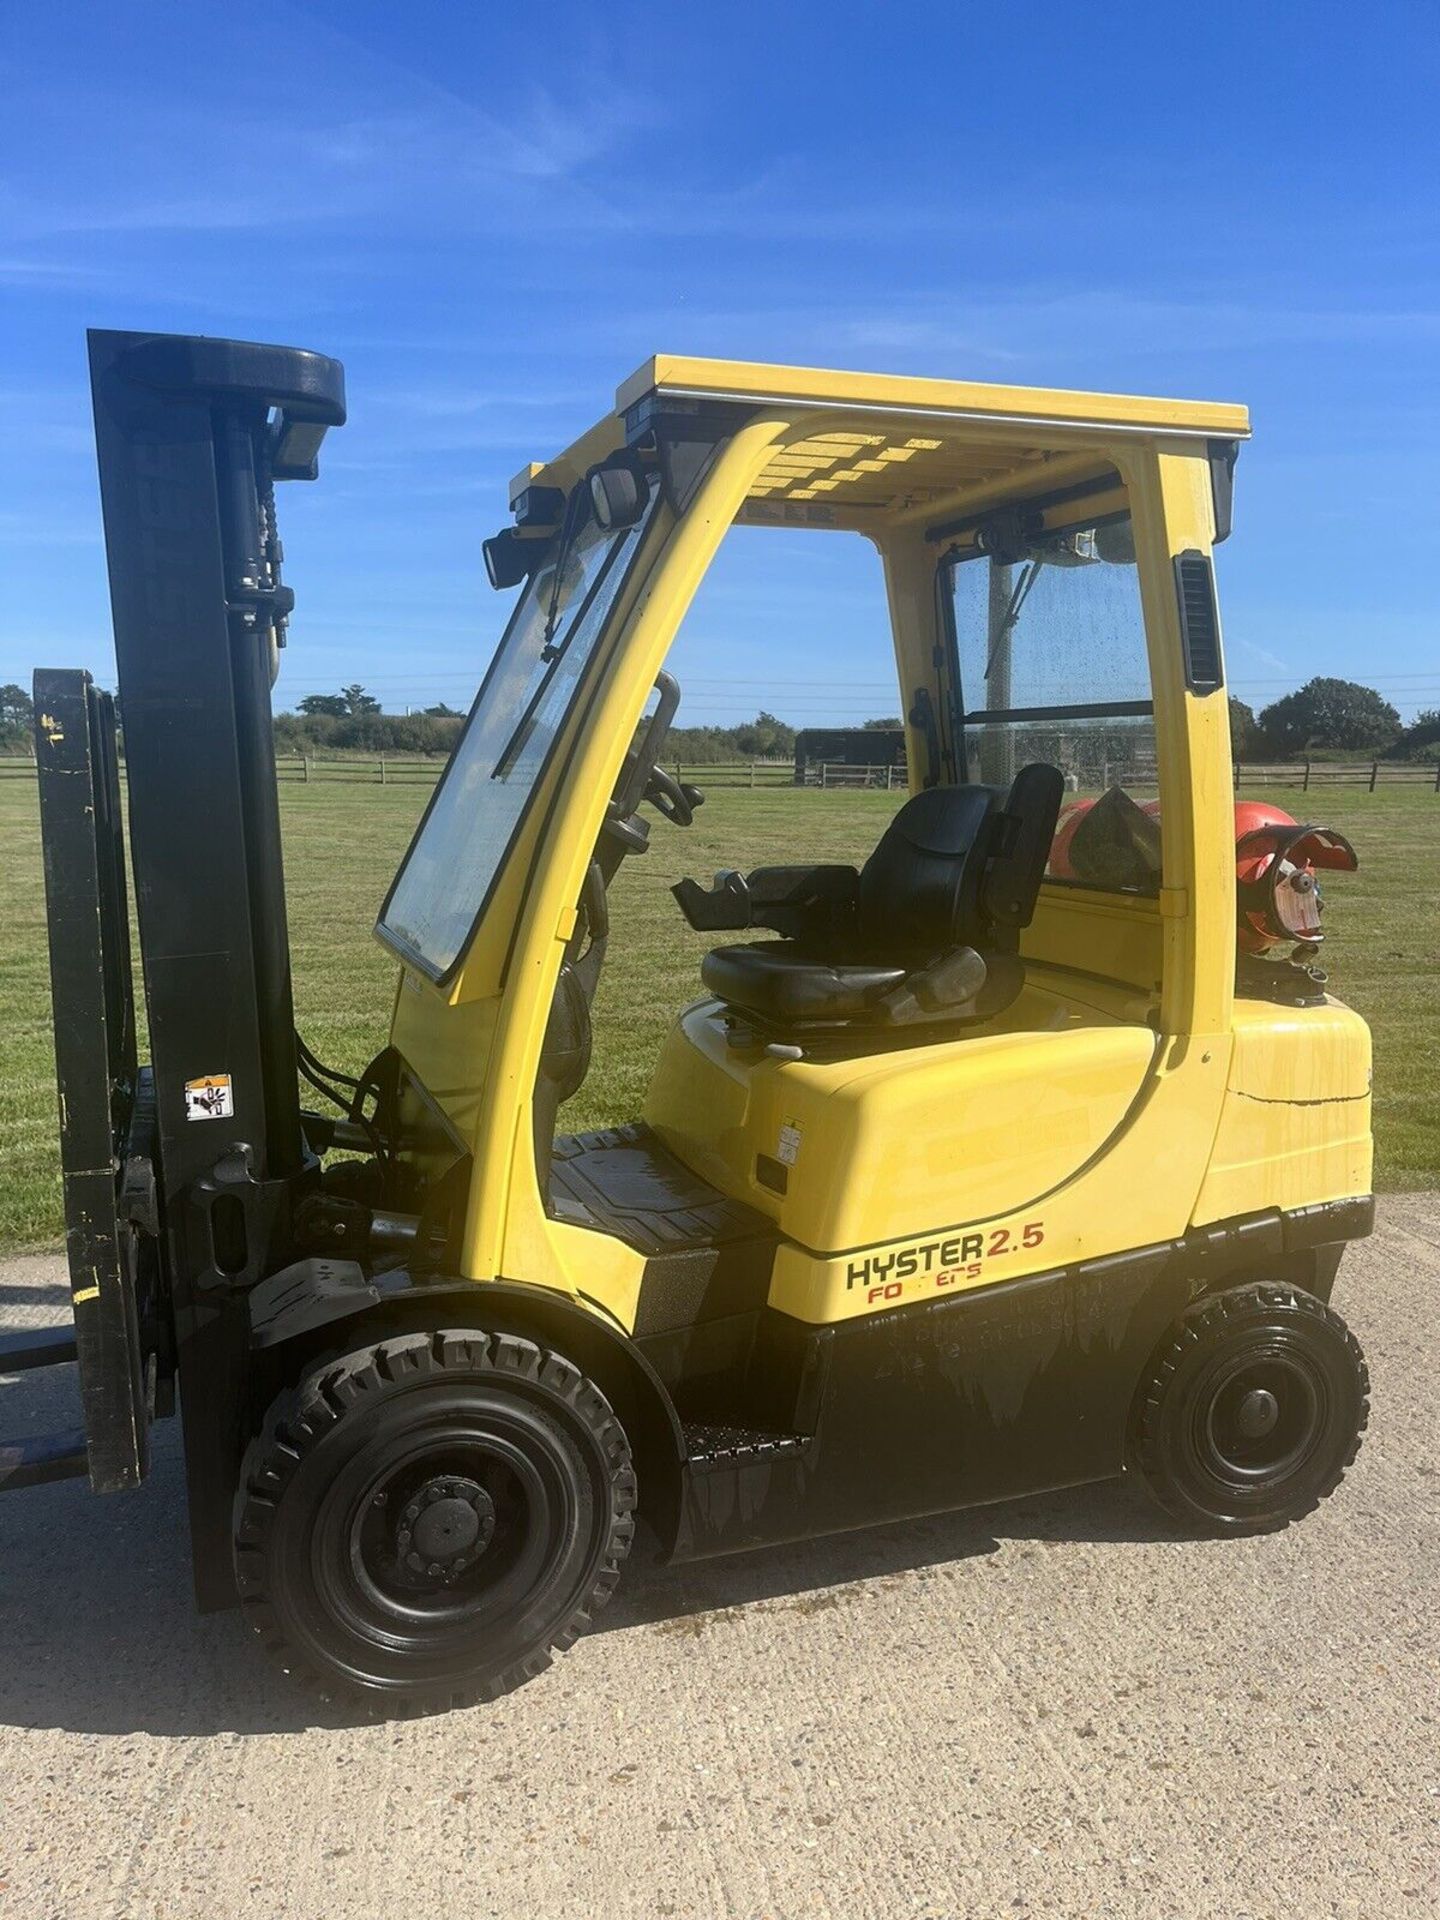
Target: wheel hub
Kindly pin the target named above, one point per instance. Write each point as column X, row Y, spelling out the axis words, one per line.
column 1258, row 1414
column 446, row 1525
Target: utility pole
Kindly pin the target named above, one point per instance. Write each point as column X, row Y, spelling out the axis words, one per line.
column 997, row 743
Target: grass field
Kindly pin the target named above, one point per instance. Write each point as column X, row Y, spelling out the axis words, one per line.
column 342, row 843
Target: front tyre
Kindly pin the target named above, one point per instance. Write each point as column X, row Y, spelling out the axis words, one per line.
column 421, row 1522
column 1251, row 1410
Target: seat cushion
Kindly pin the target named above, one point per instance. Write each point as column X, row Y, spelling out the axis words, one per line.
column 777, row 983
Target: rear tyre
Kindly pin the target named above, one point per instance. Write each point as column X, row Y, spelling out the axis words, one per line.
column 1251, row 1410
column 419, row 1524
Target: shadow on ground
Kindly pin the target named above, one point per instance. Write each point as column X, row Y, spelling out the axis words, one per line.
column 102, row 1636
column 28, row 1294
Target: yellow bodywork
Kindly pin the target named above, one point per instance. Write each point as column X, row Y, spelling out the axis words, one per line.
column 1126, row 1095
column 1295, row 1124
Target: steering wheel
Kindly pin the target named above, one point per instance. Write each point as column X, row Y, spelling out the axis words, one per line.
column 674, row 800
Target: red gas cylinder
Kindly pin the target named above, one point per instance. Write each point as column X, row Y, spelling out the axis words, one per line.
column 1275, row 862
column 1070, row 817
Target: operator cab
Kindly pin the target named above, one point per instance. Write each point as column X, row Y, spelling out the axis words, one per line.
column 993, row 980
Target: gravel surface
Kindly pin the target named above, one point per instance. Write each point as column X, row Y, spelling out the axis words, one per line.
column 1056, row 1707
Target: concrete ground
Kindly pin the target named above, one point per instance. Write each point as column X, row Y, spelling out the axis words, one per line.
column 1054, row 1708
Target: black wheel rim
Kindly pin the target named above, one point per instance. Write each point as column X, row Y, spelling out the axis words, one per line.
column 1259, row 1418
column 387, row 1624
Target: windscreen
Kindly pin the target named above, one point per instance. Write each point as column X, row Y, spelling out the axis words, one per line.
column 1052, row 666
column 448, row 874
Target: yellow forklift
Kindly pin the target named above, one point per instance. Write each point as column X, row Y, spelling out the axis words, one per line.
column 1020, row 1156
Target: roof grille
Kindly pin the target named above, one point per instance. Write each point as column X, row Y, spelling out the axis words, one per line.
column 1199, row 621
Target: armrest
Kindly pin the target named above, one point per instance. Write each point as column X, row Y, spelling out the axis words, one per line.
column 726, row 905
column 789, row 900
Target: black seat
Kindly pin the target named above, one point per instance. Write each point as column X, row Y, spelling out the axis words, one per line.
column 783, row 982
column 925, row 931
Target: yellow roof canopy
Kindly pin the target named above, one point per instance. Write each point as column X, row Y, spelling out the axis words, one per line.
column 888, row 445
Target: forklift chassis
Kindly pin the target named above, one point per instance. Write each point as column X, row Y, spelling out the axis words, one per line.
column 648, row 1333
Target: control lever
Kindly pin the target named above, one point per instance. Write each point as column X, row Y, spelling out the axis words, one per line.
column 629, row 829
column 676, row 800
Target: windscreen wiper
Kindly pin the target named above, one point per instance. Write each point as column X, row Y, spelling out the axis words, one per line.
column 552, row 655
column 568, row 530
column 1029, row 574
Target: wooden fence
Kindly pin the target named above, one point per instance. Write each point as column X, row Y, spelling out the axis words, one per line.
column 387, row 770
column 734, row 773
column 1338, row 773
column 358, row 769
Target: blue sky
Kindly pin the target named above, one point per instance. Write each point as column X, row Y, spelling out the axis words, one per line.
column 492, row 215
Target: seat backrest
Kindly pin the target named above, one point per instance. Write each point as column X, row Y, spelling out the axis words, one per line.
column 920, row 888
column 960, row 866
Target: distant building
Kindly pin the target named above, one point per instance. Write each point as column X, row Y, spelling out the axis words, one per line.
column 880, row 748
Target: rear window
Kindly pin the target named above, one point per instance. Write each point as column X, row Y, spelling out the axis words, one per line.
column 1052, row 666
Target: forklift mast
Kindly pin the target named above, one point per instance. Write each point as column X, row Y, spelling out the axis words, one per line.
column 180, row 1181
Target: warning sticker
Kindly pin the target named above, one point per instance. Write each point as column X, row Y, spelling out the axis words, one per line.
column 788, row 1150
column 209, row 1098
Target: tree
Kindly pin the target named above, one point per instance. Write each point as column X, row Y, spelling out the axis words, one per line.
column 766, row 737
column 1330, row 713
column 357, row 700
column 331, row 704
column 442, row 712
column 1245, row 735
column 890, row 725
column 372, row 732
column 1419, row 741
column 16, row 705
